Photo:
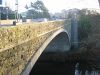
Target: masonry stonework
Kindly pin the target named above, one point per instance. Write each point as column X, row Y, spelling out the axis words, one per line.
column 19, row 43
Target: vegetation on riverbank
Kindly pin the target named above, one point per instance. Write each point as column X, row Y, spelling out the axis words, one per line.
column 88, row 53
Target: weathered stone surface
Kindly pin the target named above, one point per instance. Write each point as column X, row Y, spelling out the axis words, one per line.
column 19, row 43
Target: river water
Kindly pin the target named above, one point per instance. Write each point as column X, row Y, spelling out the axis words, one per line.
column 48, row 68
column 84, row 71
column 69, row 67
column 87, row 73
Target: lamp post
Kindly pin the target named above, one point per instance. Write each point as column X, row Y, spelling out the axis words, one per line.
column 0, row 16
column 7, row 8
column 16, row 12
column 99, row 2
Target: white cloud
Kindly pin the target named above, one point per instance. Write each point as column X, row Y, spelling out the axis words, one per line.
column 57, row 5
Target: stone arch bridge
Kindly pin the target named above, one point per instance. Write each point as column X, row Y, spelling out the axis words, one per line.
column 21, row 46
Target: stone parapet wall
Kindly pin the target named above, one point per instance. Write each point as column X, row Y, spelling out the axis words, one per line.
column 19, row 43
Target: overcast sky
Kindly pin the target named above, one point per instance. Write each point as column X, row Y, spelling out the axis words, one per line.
column 56, row 5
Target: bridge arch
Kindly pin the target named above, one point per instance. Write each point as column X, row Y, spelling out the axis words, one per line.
column 58, row 42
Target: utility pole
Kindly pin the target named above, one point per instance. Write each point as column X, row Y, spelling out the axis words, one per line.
column 0, row 11
column 99, row 2
column 0, row 16
column 16, row 11
column 7, row 9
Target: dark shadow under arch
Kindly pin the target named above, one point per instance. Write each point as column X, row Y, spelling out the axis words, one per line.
column 53, row 55
column 60, row 43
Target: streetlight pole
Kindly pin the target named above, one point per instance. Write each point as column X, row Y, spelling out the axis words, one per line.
column 0, row 16
column 7, row 9
column 16, row 15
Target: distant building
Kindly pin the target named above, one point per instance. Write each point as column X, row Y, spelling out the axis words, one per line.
column 6, row 10
column 0, row 1
column 4, row 7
